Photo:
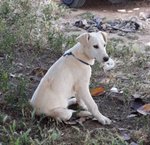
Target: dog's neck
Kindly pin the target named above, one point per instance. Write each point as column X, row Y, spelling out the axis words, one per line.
column 79, row 53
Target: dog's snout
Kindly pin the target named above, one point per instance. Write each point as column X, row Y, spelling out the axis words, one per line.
column 105, row 59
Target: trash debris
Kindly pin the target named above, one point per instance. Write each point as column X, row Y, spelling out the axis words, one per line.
column 128, row 26
column 16, row 75
column 132, row 115
column 144, row 110
column 97, row 91
column 97, row 23
column 81, row 23
column 114, row 90
column 110, row 64
column 144, row 16
column 136, row 95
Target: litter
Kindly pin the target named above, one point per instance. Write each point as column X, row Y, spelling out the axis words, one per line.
column 110, row 64
column 97, row 23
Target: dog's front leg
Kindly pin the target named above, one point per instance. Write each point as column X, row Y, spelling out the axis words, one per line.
column 92, row 106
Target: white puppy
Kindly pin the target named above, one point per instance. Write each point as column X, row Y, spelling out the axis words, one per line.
column 70, row 76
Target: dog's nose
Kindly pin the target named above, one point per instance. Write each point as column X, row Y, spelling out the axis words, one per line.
column 105, row 59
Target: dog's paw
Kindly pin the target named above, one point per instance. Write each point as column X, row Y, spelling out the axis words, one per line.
column 105, row 121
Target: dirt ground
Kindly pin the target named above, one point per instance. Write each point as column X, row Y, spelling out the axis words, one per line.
column 131, row 75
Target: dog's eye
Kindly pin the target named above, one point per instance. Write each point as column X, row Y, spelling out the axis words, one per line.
column 95, row 46
column 104, row 45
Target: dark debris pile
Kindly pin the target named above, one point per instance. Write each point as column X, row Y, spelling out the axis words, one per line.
column 113, row 26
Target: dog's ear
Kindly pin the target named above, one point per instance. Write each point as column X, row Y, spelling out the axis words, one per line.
column 83, row 38
column 104, row 34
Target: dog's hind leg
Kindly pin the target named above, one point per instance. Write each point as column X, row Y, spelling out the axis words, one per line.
column 72, row 101
column 84, row 114
column 82, row 104
column 61, row 114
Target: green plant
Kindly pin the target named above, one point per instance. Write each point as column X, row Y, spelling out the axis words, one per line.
column 27, row 22
column 4, row 83
column 16, row 137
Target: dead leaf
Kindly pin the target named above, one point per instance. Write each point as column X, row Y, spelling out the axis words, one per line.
column 145, row 109
column 97, row 91
column 39, row 72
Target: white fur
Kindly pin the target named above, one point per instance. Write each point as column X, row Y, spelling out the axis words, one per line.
column 69, row 77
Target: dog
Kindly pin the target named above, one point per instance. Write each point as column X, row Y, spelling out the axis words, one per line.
column 70, row 76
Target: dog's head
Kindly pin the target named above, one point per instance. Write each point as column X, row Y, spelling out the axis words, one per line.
column 94, row 45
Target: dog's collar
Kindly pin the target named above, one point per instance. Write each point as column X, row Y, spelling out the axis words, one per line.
column 70, row 53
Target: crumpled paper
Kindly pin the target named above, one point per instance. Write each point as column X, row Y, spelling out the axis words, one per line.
column 110, row 64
